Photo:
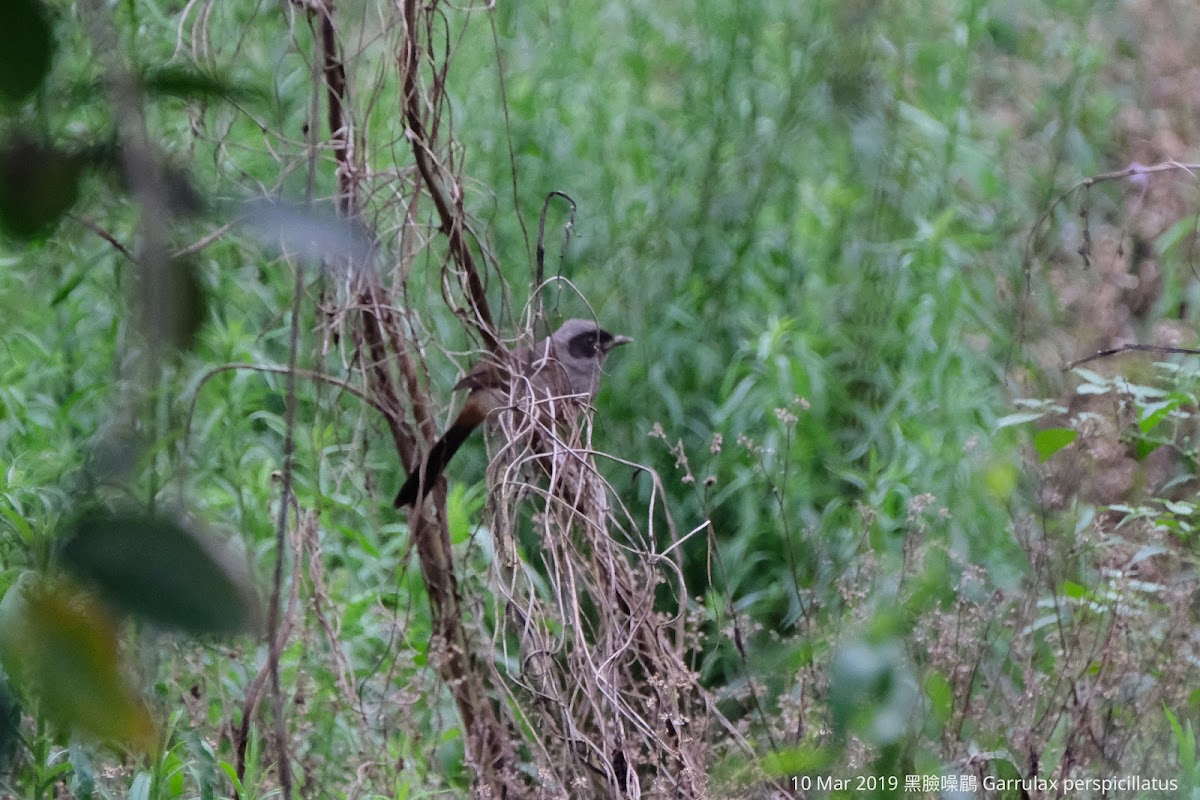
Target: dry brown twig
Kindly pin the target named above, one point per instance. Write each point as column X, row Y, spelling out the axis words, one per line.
column 603, row 683
column 1132, row 171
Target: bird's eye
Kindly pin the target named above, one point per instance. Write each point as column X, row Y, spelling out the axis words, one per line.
column 583, row 345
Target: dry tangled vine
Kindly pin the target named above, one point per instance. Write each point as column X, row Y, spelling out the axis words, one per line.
column 568, row 661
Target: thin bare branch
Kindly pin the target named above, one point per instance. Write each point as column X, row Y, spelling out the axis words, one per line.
column 1126, row 348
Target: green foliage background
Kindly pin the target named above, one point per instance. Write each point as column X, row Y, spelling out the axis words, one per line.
column 812, row 217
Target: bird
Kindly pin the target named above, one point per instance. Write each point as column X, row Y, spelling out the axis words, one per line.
column 566, row 365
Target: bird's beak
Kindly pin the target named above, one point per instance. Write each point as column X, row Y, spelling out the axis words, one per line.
column 617, row 341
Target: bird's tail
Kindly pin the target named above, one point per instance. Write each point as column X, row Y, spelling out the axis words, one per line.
column 435, row 462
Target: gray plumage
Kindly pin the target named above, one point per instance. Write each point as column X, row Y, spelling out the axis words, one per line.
column 567, row 365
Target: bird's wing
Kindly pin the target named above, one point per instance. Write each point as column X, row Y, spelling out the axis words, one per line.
column 497, row 373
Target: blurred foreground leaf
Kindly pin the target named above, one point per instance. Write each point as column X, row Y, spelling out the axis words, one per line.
column 38, row 185
column 63, row 646
column 159, row 570
column 26, row 44
column 871, row 692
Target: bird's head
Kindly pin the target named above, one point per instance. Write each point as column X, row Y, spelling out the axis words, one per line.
column 584, row 339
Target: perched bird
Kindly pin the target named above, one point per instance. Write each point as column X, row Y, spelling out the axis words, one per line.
column 565, row 366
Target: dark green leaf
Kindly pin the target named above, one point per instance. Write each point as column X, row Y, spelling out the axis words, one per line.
column 158, row 569
column 26, row 44
column 1144, row 447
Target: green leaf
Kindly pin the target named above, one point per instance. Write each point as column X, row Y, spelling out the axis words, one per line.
column 140, row 788
column 1144, row 447
column 69, row 285
column 1051, row 440
column 1185, row 741
column 19, row 524
column 802, row 760
column 157, row 569
column 1172, row 236
column 173, row 771
column 83, row 772
column 231, row 773
column 940, row 694
column 458, row 519
column 1154, row 413
column 1074, row 590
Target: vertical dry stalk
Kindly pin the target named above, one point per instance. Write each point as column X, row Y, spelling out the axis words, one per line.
column 602, row 681
column 489, row 742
